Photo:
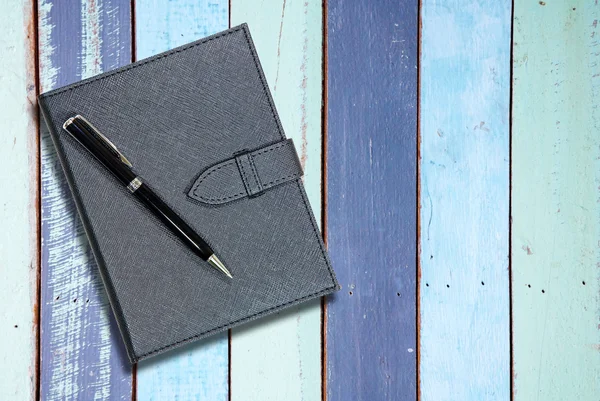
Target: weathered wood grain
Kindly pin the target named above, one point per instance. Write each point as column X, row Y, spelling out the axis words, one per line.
column 371, row 199
column 279, row 357
column 198, row 371
column 555, row 209
column 82, row 354
column 19, row 212
column 464, row 201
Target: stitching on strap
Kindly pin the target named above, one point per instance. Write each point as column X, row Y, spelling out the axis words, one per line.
column 242, row 161
column 205, row 175
column 253, row 167
column 240, row 165
column 271, row 148
column 208, row 173
column 271, row 183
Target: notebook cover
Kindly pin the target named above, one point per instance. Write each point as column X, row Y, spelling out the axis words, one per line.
column 199, row 125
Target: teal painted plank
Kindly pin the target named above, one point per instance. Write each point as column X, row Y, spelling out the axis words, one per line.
column 19, row 213
column 279, row 357
column 82, row 354
column 555, row 201
column 161, row 25
column 372, row 199
column 464, row 200
column 198, row 371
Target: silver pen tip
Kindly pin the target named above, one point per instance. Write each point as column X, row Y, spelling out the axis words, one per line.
column 217, row 264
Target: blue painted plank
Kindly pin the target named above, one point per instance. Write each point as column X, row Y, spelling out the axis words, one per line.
column 199, row 371
column 371, row 199
column 464, row 203
column 82, row 354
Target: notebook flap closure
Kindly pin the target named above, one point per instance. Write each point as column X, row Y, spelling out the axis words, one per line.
column 248, row 174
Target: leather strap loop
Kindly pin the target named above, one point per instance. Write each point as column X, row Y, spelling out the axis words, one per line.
column 245, row 164
column 248, row 174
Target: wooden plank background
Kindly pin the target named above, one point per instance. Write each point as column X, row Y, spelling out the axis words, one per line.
column 555, row 209
column 464, row 178
column 371, row 199
column 400, row 112
column 19, row 211
column 286, row 348
column 82, row 354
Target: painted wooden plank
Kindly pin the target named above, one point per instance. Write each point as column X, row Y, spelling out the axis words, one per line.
column 279, row 357
column 161, row 25
column 555, row 209
column 198, row 371
column 19, row 212
column 82, row 355
column 464, row 201
column 371, row 199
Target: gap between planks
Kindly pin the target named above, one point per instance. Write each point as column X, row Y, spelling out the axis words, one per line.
column 34, row 145
column 229, row 330
column 324, row 106
column 133, row 59
column 510, row 173
column 418, row 208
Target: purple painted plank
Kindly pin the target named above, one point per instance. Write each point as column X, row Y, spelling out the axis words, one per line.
column 371, row 199
column 82, row 355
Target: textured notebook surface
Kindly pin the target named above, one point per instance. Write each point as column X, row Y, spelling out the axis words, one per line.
column 199, row 125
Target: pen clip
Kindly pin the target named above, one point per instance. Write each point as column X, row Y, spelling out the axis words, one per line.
column 98, row 135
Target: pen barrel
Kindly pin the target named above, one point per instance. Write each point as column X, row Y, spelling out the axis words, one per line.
column 172, row 221
column 107, row 154
column 84, row 135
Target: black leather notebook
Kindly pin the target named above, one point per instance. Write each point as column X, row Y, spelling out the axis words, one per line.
column 199, row 125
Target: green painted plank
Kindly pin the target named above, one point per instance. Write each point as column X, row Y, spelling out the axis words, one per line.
column 555, row 201
column 279, row 357
column 198, row 371
column 464, row 201
column 19, row 212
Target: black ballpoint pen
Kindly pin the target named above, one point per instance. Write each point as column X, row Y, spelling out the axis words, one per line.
column 108, row 154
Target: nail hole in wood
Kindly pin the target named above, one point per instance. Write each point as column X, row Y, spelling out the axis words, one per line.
column 16, row 326
column 350, row 292
column 583, row 282
column 75, row 300
column 397, row 294
column 57, row 297
column 426, row 284
column 448, row 285
column 482, row 283
column 543, row 292
column 529, row 285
